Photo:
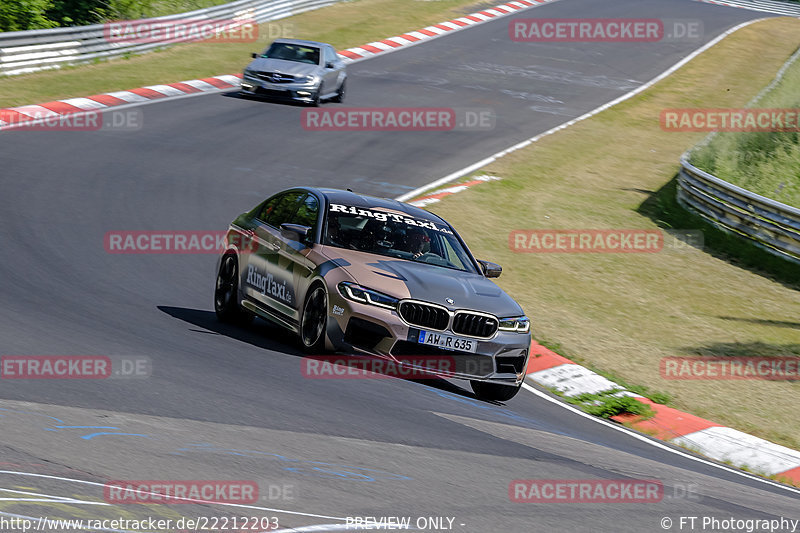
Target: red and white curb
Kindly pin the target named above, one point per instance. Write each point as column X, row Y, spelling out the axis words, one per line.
column 43, row 113
column 438, row 195
column 32, row 114
column 546, row 368
column 725, row 444
column 437, row 30
column 712, row 440
column 551, row 370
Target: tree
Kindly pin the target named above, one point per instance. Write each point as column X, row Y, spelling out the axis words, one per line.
column 18, row 15
column 77, row 12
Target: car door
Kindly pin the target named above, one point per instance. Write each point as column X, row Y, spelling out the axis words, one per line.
column 292, row 256
column 333, row 69
column 264, row 282
column 253, row 262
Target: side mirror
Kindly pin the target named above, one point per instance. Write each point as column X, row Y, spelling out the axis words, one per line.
column 490, row 270
column 295, row 232
column 329, row 64
column 254, row 55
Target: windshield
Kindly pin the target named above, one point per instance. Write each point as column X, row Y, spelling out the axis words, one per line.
column 397, row 235
column 293, row 52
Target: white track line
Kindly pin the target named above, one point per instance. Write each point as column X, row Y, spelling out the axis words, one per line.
column 340, row 527
column 498, row 155
column 188, row 500
column 492, row 158
column 656, row 443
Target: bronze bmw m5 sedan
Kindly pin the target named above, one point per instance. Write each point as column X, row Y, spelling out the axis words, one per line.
column 364, row 275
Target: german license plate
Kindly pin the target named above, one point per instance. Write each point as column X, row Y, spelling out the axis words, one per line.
column 447, row 342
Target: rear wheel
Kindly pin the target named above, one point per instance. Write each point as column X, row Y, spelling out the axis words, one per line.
column 494, row 392
column 226, row 293
column 314, row 320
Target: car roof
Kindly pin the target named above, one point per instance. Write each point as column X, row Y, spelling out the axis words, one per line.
column 338, row 196
column 300, row 41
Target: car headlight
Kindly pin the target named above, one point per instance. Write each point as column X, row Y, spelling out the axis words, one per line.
column 251, row 73
column 363, row 295
column 519, row 324
column 306, row 79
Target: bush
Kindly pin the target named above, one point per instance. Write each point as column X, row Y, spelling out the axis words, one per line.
column 77, row 12
column 19, row 15
column 606, row 404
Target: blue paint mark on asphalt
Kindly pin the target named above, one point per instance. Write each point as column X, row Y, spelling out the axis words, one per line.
column 93, row 435
column 299, row 466
column 87, row 427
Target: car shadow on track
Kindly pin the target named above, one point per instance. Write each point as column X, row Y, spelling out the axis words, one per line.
column 263, row 334
column 260, row 333
column 238, row 95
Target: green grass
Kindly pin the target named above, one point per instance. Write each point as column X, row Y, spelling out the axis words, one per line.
column 642, row 390
column 606, row 404
column 344, row 25
column 623, row 313
column 663, row 208
column 767, row 163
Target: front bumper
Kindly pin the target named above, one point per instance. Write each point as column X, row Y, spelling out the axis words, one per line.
column 361, row 328
column 297, row 92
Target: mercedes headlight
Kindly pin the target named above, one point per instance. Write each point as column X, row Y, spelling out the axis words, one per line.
column 363, row 295
column 306, row 79
column 518, row 324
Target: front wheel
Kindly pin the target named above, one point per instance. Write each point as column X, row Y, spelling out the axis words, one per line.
column 339, row 98
column 494, row 392
column 317, row 97
column 314, row 320
column 226, row 293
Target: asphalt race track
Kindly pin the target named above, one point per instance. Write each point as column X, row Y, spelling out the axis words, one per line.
column 231, row 404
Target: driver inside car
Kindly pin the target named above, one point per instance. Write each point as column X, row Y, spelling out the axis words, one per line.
column 417, row 242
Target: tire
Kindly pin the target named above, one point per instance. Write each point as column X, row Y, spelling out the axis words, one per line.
column 314, row 320
column 226, row 293
column 494, row 392
column 339, row 98
column 317, row 97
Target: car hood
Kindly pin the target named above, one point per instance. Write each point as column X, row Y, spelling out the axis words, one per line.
column 409, row 279
column 263, row 64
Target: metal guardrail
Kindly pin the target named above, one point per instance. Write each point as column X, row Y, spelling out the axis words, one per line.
column 30, row 51
column 772, row 225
